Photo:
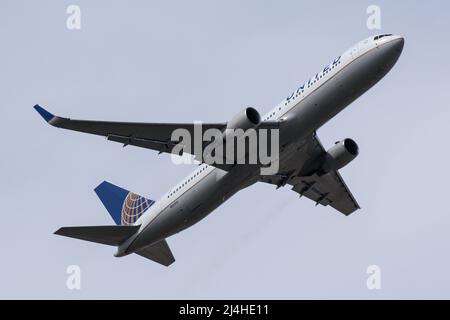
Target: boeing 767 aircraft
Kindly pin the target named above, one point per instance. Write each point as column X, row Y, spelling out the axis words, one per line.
column 144, row 224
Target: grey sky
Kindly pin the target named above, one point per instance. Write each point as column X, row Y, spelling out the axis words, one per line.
column 206, row 60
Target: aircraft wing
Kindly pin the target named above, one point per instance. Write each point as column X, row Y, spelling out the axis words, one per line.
column 326, row 189
column 155, row 136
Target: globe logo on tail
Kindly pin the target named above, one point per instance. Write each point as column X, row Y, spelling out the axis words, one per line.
column 133, row 207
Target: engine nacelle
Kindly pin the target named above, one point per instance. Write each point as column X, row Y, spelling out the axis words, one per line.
column 247, row 119
column 340, row 155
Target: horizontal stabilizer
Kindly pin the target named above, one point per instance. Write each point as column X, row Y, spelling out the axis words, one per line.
column 158, row 252
column 110, row 235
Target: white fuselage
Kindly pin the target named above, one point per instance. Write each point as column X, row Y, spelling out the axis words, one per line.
column 302, row 112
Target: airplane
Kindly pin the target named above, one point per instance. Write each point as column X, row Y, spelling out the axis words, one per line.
column 143, row 225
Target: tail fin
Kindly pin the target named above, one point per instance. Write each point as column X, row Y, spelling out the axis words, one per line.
column 125, row 207
column 110, row 235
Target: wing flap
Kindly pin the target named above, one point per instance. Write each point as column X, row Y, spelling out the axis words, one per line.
column 328, row 189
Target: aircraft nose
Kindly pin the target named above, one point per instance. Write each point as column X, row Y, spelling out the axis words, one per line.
column 397, row 44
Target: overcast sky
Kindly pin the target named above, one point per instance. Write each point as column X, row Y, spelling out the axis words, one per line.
column 180, row 61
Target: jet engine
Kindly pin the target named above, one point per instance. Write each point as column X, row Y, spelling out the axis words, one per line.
column 247, row 119
column 340, row 155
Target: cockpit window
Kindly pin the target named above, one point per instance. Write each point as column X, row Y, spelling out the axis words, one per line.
column 381, row 36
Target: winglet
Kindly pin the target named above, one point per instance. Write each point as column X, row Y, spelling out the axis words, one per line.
column 44, row 113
